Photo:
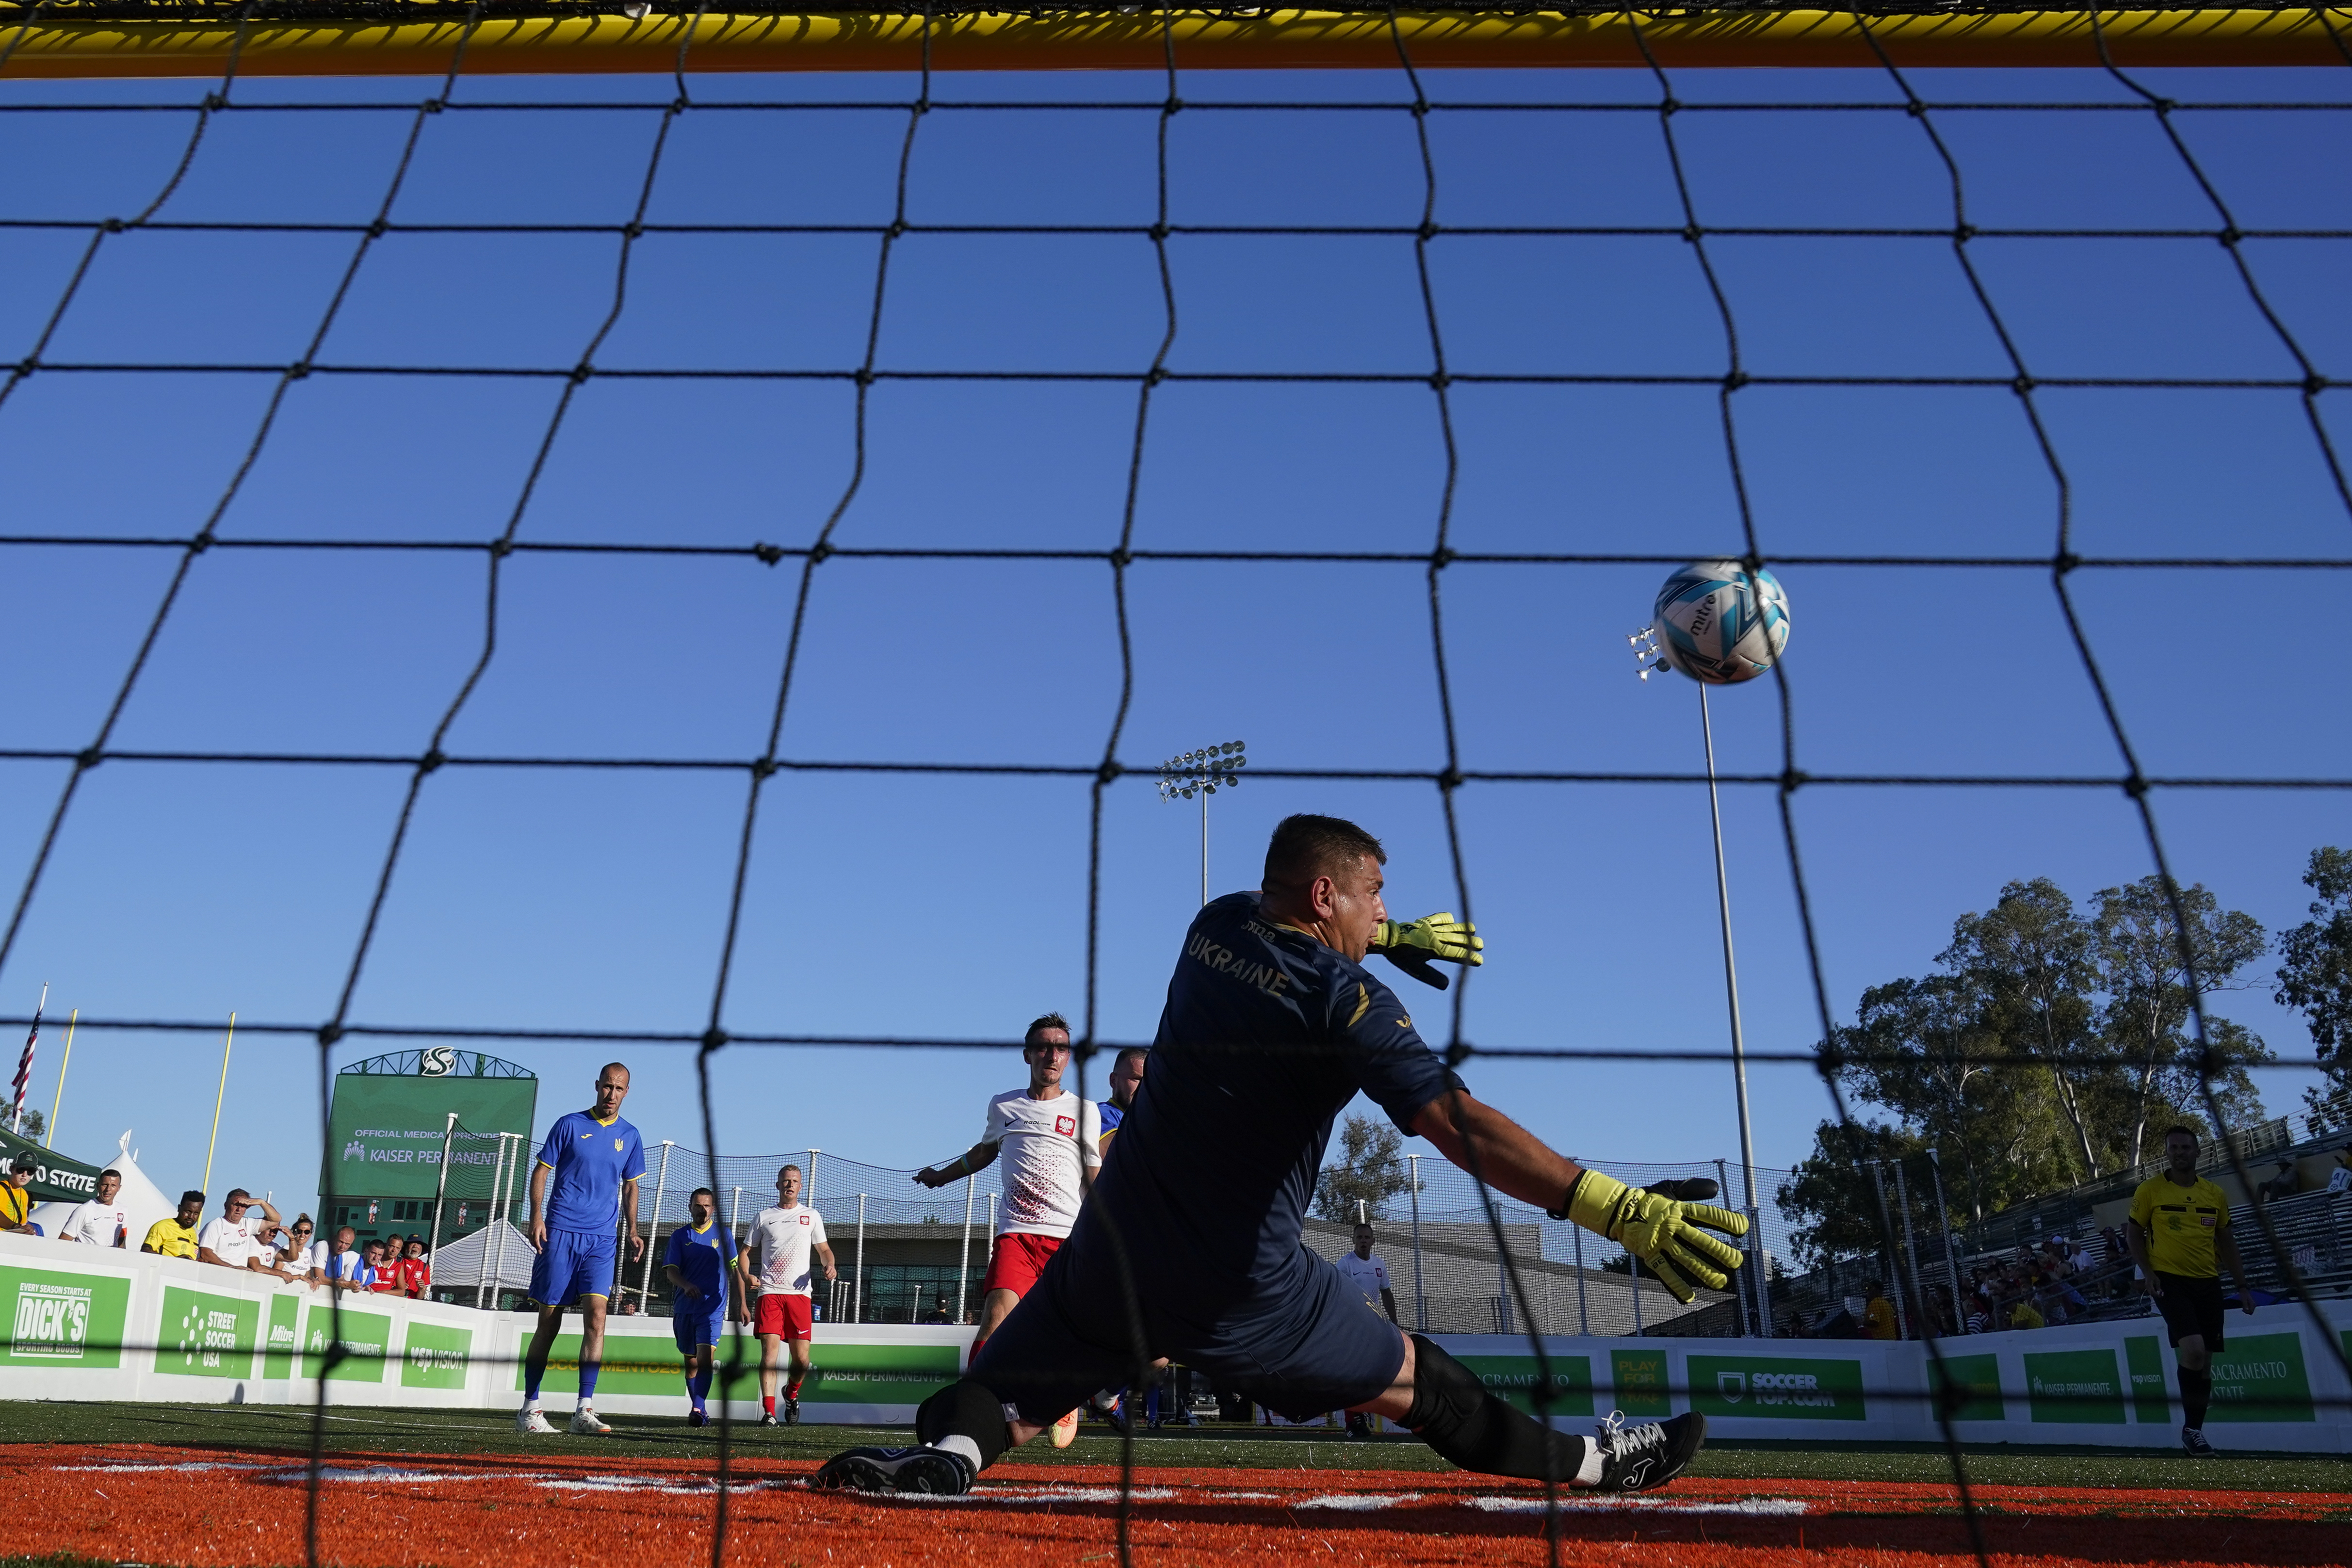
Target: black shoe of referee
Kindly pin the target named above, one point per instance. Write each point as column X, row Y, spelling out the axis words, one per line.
column 1636, row 1459
column 931, row 1472
column 2192, row 1438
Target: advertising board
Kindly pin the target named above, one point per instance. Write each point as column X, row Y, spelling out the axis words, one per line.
column 61, row 1318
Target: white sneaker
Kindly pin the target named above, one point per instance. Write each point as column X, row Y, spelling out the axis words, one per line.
column 584, row 1424
column 528, row 1419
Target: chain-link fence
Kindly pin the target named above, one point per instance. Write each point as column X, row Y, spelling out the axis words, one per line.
column 1436, row 1237
column 907, row 1254
column 902, row 1254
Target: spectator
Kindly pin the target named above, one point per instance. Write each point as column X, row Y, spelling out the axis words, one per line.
column 229, row 1240
column 938, row 1313
column 1878, row 1316
column 16, row 1204
column 383, row 1262
column 2340, row 1180
column 2286, row 1183
column 415, row 1272
column 269, row 1250
column 2023, row 1316
column 628, row 1308
column 302, row 1257
column 176, row 1237
column 1980, row 1319
column 347, row 1269
column 98, row 1221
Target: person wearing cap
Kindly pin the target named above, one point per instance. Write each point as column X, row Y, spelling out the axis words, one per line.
column 16, row 1203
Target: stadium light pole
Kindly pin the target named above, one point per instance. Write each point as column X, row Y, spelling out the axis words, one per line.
column 1647, row 660
column 1952, row 1261
column 1202, row 773
column 661, row 1189
column 441, row 1188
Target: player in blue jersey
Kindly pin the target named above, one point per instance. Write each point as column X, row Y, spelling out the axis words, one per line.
column 1125, row 1078
column 695, row 1266
column 584, row 1187
column 1190, row 1248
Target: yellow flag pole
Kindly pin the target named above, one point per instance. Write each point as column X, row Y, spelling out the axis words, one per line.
column 49, row 1134
column 218, row 1096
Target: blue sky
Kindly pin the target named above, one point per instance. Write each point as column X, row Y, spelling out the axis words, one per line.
column 927, row 905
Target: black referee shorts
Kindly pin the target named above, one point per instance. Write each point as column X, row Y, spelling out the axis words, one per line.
column 2191, row 1307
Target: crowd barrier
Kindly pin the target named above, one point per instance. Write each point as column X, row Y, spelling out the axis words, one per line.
column 82, row 1323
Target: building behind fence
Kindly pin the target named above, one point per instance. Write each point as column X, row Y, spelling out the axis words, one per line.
column 907, row 1254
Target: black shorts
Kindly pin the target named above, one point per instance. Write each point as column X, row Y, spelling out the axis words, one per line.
column 2191, row 1307
column 1308, row 1347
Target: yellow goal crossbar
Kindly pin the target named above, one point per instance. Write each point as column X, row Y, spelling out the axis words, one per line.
column 49, row 43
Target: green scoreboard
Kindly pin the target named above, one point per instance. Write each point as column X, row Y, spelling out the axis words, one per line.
column 390, row 1114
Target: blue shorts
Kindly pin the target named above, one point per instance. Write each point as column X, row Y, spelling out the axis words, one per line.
column 1302, row 1347
column 696, row 1326
column 576, row 1263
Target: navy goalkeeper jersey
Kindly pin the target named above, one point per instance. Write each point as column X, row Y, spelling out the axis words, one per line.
column 1266, row 1035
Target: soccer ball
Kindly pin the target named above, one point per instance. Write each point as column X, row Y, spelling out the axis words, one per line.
column 1719, row 624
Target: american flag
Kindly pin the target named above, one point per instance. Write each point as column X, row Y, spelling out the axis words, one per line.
column 24, row 1064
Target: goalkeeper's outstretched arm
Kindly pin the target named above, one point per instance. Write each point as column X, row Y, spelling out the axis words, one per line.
column 1661, row 1232
column 1509, row 1157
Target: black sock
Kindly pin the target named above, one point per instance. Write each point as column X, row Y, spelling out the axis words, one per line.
column 2195, row 1393
column 1454, row 1413
column 966, row 1410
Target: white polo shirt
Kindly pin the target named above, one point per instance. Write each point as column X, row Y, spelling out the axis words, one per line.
column 98, row 1224
column 781, row 1242
column 229, row 1239
column 1369, row 1275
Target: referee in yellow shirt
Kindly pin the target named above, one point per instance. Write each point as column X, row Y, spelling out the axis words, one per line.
column 2178, row 1231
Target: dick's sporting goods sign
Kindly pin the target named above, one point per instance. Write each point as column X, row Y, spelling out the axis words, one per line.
column 62, row 1319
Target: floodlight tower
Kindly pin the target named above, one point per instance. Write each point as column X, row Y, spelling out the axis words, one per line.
column 1202, row 773
column 1649, row 660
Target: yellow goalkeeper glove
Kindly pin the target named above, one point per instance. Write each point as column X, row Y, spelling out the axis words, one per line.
column 1658, row 1230
column 1411, row 946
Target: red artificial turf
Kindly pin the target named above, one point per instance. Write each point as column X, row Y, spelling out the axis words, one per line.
column 168, row 1506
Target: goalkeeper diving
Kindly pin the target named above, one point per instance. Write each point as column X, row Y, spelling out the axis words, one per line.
column 1272, row 1025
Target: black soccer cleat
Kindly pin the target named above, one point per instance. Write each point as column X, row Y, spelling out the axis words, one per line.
column 698, row 1417
column 2192, row 1438
column 792, row 1412
column 1637, row 1458
column 767, row 1418
column 923, row 1473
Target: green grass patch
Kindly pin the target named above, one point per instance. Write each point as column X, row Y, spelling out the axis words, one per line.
column 283, row 1429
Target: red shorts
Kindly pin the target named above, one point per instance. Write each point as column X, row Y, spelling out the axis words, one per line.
column 786, row 1317
column 1019, row 1257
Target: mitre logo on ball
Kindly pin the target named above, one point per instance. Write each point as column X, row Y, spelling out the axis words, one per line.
column 1720, row 623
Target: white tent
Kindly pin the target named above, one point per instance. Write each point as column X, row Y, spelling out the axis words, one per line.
column 140, row 1198
column 497, row 1255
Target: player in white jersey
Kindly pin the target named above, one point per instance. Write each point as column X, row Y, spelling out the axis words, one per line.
column 1052, row 1145
column 1371, row 1276
column 774, row 1263
column 98, row 1221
